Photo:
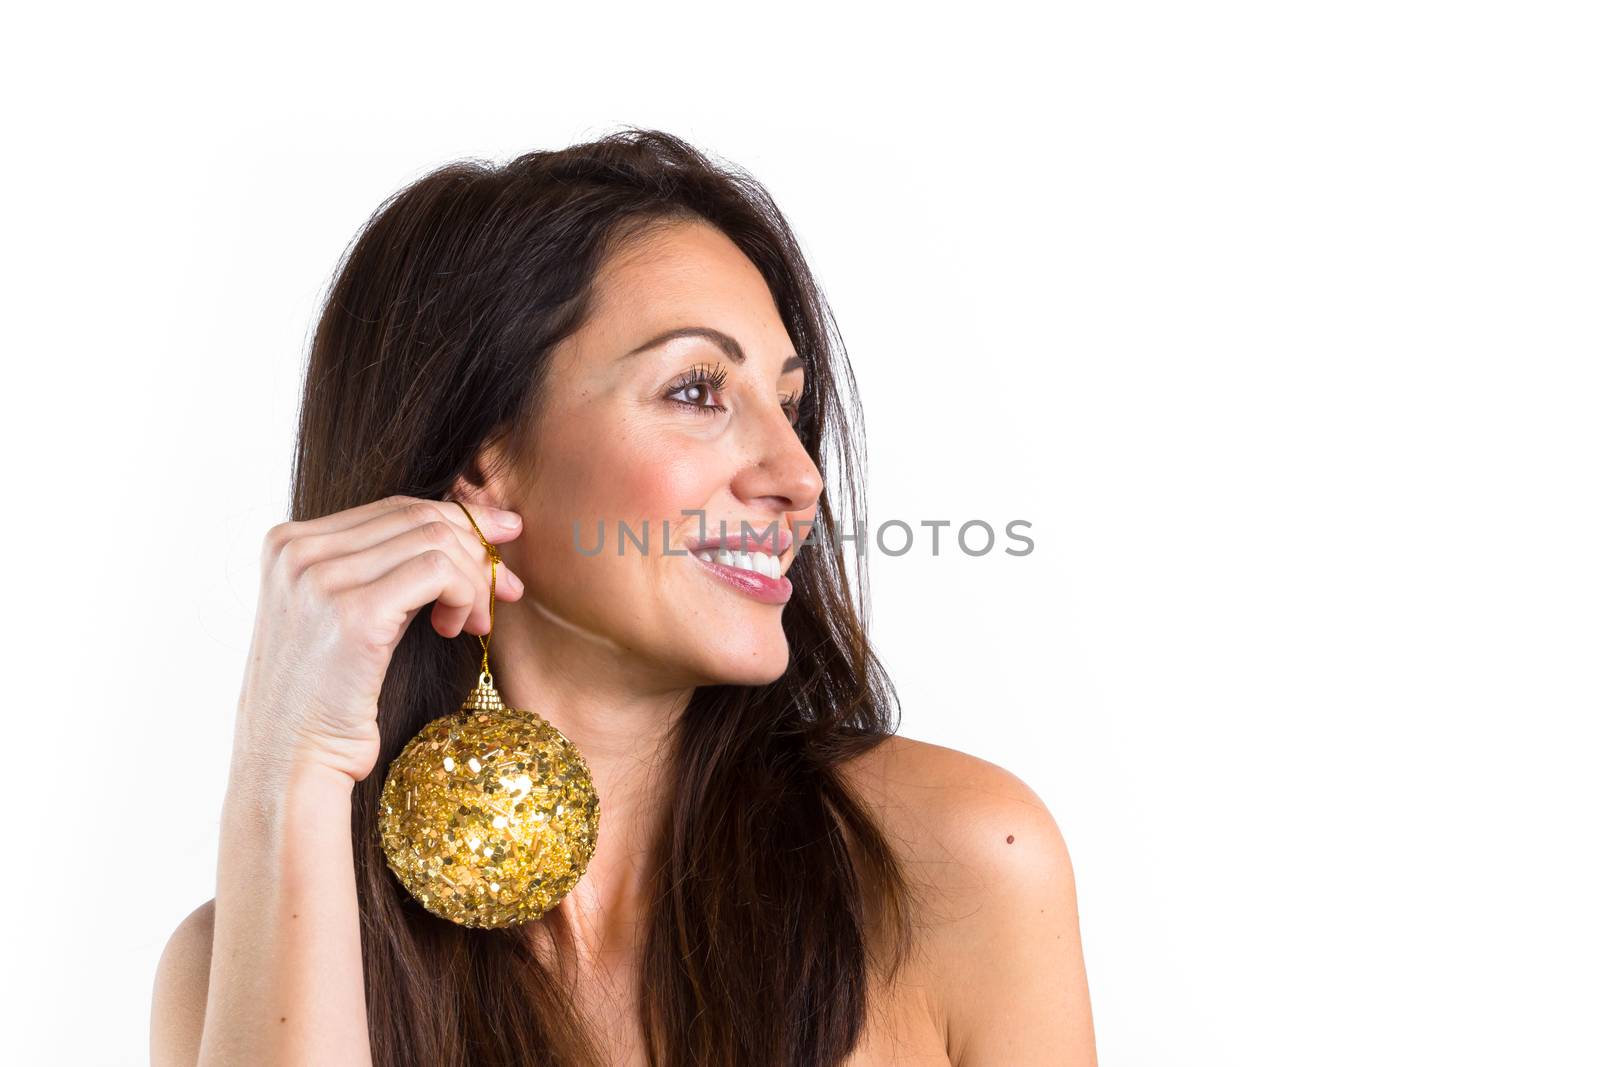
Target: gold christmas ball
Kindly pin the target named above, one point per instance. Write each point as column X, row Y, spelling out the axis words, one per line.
column 489, row 815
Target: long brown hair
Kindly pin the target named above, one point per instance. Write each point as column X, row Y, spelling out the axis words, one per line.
column 775, row 896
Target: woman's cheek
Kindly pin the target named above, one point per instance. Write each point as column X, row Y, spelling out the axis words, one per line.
column 663, row 482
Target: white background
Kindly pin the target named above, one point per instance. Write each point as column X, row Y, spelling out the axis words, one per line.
column 1277, row 321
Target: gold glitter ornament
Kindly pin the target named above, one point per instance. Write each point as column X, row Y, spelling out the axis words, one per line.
column 489, row 815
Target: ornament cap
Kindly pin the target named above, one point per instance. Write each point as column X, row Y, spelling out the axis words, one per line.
column 485, row 697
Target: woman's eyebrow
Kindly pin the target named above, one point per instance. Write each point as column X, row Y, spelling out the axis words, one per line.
column 728, row 345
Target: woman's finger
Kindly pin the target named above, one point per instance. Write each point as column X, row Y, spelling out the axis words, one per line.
column 311, row 550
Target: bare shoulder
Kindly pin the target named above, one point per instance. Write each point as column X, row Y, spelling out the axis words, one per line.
column 178, row 1002
column 999, row 922
column 953, row 809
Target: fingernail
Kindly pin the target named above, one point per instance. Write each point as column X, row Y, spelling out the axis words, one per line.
column 507, row 518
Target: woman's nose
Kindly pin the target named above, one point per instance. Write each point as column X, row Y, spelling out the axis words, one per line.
column 780, row 472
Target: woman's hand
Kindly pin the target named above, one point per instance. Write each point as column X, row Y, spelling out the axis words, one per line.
column 337, row 594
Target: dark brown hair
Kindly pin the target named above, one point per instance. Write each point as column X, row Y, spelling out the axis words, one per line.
column 775, row 896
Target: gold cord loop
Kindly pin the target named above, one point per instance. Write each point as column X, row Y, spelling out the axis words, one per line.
column 484, row 677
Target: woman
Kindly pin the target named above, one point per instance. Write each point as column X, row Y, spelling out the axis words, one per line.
column 620, row 332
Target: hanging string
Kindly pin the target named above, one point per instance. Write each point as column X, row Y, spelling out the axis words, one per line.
column 484, row 677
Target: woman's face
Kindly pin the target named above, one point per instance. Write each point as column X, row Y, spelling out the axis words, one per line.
column 691, row 431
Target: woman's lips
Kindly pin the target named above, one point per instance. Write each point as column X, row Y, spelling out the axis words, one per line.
column 755, row 586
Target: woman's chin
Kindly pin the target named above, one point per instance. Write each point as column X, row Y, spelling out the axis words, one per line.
column 759, row 665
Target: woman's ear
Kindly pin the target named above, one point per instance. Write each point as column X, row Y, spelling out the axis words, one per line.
column 484, row 481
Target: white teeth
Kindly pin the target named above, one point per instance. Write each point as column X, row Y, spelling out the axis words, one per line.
column 758, row 562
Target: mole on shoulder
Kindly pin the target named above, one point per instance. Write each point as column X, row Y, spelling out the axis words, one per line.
column 1010, row 838
column 283, row 1018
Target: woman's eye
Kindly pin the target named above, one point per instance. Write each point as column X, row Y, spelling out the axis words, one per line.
column 696, row 387
column 696, row 395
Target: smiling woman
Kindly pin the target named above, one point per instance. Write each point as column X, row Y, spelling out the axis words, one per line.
column 618, row 332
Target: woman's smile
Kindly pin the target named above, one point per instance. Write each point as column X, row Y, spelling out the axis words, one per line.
column 747, row 563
